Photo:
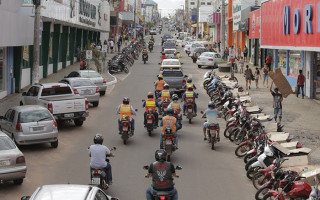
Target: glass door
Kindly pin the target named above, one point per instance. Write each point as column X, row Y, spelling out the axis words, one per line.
column 2, row 69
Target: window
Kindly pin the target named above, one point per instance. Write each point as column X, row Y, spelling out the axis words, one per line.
column 294, row 63
column 6, row 143
column 170, row 62
column 192, row 3
column 74, row 74
column 217, row 56
column 209, row 3
column 172, row 73
column 203, row 3
column 34, row 116
column 282, row 61
column 101, row 196
column 11, row 118
column 90, row 75
column 2, row 67
column 56, row 91
column 79, row 83
column 7, row 115
column 317, row 76
column 33, row 91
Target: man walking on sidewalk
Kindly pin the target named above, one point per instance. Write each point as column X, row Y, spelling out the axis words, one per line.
column 300, row 83
column 277, row 103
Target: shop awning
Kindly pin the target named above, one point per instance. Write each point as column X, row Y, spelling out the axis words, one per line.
column 194, row 25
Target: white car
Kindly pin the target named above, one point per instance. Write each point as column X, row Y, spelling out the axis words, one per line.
column 193, row 46
column 210, row 59
column 186, row 41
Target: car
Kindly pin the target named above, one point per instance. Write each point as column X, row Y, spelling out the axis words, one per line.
column 170, row 53
column 193, row 46
column 197, row 52
column 68, row 192
column 170, row 64
column 210, row 59
column 153, row 32
column 31, row 124
column 175, row 79
column 168, row 45
column 12, row 161
column 84, row 87
column 165, row 37
column 97, row 79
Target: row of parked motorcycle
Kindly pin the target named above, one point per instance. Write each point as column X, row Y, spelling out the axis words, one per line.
column 262, row 157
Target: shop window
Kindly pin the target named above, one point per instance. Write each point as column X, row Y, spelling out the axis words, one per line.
column 25, row 57
column 294, row 63
column 203, row 3
column 282, row 61
column 192, row 3
column 2, row 67
column 209, row 3
column 317, row 77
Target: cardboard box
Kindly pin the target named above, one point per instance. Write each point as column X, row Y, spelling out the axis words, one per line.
column 258, row 115
column 310, row 175
column 296, row 161
column 302, row 168
column 300, row 150
column 245, row 98
column 280, row 138
column 270, row 127
column 250, row 104
column 290, row 145
column 264, row 118
column 281, row 82
column 253, row 109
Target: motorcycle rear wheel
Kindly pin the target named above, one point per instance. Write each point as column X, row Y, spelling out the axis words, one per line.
column 268, row 196
column 126, row 69
column 247, row 158
column 189, row 121
column 251, row 172
column 261, row 193
column 227, row 131
column 249, row 163
column 232, row 134
column 242, row 150
column 239, row 137
column 149, row 132
column 258, row 180
column 124, row 141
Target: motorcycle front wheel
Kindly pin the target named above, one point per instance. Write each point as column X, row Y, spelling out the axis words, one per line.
column 268, row 196
column 261, row 193
column 258, row 180
column 126, row 69
column 242, row 150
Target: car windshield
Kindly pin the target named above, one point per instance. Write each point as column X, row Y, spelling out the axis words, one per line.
column 199, row 49
column 6, row 143
column 56, row 91
column 79, row 83
column 172, row 73
column 170, row 52
column 167, row 36
column 207, row 54
column 170, row 62
column 34, row 116
column 90, row 75
column 197, row 45
column 168, row 44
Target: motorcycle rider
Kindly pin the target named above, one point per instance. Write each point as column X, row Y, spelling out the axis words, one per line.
column 126, row 110
column 159, row 85
column 152, row 39
column 189, row 94
column 162, row 173
column 211, row 114
column 175, row 104
column 175, row 56
column 165, row 93
column 145, row 52
column 163, row 56
column 150, row 43
column 98, row 153
column 169, row 121
column 189, row 84
column 151, row 103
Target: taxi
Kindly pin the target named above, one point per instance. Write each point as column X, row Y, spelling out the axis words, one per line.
column 170, row 64
column 170, row 53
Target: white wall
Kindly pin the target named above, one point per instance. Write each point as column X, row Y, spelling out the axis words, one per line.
column 59, row 66
column 25, row 78
column 308, row 65
column 50, row 69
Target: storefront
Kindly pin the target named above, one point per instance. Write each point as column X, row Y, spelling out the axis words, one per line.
column 291, row 29
column 254, row 37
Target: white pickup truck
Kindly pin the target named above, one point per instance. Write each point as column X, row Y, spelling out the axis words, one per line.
column 60, row 100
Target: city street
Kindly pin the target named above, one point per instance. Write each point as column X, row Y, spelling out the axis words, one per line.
column 206, row 173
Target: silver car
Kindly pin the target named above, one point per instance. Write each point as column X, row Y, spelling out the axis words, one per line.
column 12, row 162
column 30, row 124
column 68, row 192
column 97, row 79
column 84, row 87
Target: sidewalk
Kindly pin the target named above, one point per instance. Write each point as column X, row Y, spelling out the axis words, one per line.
column 300, row 116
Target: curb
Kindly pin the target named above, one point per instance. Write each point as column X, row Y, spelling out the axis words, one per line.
column 113, row 81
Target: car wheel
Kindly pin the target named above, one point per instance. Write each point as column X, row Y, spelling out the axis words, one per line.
column 18, row 181
column 95, row 104
column 54, row 144
column 78, row 122
column 199, row 66
column 21, row 104
column 102, row 93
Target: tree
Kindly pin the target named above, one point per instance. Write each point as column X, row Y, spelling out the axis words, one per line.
column 150, row 24
column 97, row 55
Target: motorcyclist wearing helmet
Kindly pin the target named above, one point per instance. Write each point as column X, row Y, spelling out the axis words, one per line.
column 159, row 85
column 165, row 93
column 169, row 121
column 211, row 114
column 175, row 104
column 126, row 110
column 189, row 84
column 189, row 94
column 175, row 56
column 145, row 52
column 152, row 38
column 150, row 42
column 98, row 153
column 152, row 104
column 162, row 173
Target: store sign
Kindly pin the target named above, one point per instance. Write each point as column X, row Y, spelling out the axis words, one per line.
column 254, row 24
column 87, row 13
column 293, row 23
column 236, row 14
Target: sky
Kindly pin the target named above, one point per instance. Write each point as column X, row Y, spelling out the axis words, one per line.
column 168, row 6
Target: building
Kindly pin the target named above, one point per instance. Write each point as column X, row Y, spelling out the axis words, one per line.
column 151, row 11
column 16, row 32
column 65, row 25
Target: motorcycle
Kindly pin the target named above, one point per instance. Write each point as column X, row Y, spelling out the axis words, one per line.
column 212, row 134
column 164, row 106
column 161, row 195
column 150, row 119
column 168, row 143
column 190, row 110
column 150, row 47
column 99, row 176
column 125, row 126
column 145, row 57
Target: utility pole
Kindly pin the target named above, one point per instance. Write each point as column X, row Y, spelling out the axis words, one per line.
column 223, row 28
column 134, row 20
column 198, row 6
column 117, row 23
column 144, row 18
column 36, row 42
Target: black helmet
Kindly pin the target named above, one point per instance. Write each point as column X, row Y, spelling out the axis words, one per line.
column 98, row 139
column 189, row 80
column 211, row 105
column 175, row 97
column 166, row 86
column 190, row 89
column 160, row 155
column 126, row 100
column 150, row 95
column 169, row 111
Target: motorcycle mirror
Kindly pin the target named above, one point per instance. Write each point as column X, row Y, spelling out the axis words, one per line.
column 178, row 167
column 143, row 100
column 185, row 76
column 201, row 112
column 146, row 167
column 136, row 110
column 25, row 197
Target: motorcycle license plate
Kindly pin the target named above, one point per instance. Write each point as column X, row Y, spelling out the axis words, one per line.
column 212, row 131
column 125, row 128
column 189, row 110
column 165, row 109
column 168, row 142
column 149, row 121
column 95, row 181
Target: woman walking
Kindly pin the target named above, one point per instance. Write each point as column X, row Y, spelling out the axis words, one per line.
column 265, row 74
column 257, row 75
column 248, row 75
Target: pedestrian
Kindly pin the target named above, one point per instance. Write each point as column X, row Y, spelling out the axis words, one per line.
column 219, row 45
column 269, row 61
column 241, row 64
column 277, row 103
column 127, row 39
column 199, row 35
column 257, row 75
column 77, row 54
column 232, row 53
column 252, row 55
column 265, row 74
column 108, row 46
column 226, row 53
column 207, row 38
column 300, row 83
column 239, row 52
column 248, row 75
column 111, row 45
column 245, row 53
column 105, row 42
column 119, row 45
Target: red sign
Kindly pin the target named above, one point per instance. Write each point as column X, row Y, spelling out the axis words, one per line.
column 254, row 24
column 291, row 23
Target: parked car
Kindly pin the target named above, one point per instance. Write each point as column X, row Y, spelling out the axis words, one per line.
column 153, row 32
column 97, row 79
column 193, row 46
column 197, row 52
column 85, row 88
column 210, row 59
column 186, row 40
column 59, row 99
column 12, row 161
column 31, row 124
column 175, row 79
column 68, row 192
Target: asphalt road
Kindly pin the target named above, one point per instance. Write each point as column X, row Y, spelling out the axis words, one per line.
column 206, row 174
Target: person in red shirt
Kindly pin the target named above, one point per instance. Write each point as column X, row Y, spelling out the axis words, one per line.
column 269, row 61
column 163, row 56
column 300, row 83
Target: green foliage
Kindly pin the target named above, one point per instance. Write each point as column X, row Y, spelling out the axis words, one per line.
column 150, row 24
column 97, row 57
